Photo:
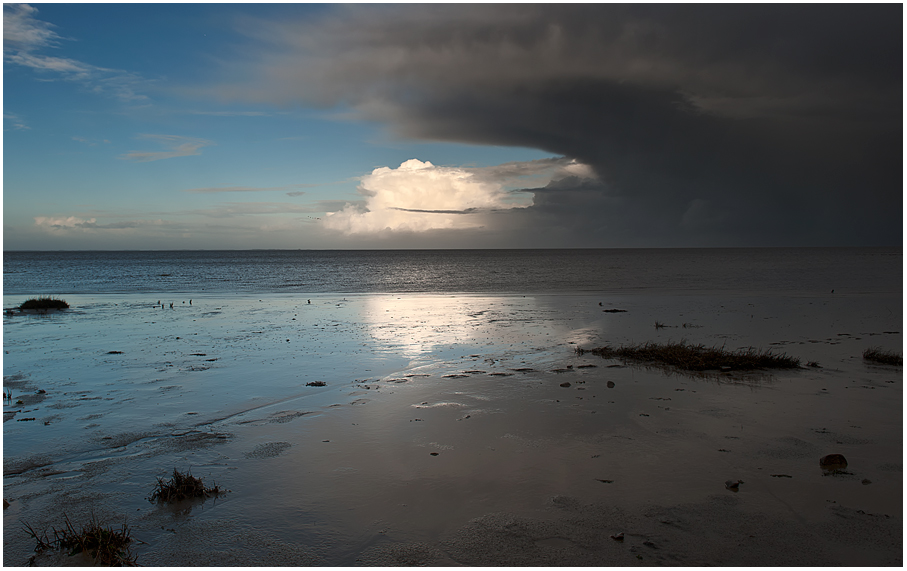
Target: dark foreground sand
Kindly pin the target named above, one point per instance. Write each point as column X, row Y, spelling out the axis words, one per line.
column 444, row 434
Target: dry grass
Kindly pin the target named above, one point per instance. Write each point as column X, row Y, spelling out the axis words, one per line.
column 105, row 545
column 878, row 355
column 696, row 357
column 44, row 303
column 180, row 487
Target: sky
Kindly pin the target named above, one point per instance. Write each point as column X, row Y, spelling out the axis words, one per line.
column 305, row 126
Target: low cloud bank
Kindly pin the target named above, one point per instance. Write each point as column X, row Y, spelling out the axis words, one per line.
column 68, row 224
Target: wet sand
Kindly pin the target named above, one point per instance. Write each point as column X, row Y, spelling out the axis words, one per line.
column 443, row 434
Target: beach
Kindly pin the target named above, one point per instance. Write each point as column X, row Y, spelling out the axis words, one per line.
column 538, row 285
column 456, row 429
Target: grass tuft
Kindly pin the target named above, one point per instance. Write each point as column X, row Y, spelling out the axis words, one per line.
column 105, row 545
column 878, row 355
column 180, row 487
column 696, row 357
column 45, row 302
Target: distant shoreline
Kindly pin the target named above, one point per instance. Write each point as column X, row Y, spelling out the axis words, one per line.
column 678, row 248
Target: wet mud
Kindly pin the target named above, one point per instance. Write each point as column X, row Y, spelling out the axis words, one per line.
column 456, row 430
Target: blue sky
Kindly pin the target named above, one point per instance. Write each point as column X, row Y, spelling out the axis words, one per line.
column 121, row 144
column 170, row 126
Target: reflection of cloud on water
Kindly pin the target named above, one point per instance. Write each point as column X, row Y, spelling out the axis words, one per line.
column 418, row 325
column 584, row 337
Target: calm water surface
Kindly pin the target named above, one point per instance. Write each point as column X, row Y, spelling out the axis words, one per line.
column 793, row 271
column 451, row 390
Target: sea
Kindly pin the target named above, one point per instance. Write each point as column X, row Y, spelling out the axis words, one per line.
column 780, row 271
column 360, row 405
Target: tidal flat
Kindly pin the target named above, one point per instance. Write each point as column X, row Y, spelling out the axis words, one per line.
column 456, row 429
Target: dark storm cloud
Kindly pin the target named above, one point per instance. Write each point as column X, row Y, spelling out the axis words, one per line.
column 707, row 124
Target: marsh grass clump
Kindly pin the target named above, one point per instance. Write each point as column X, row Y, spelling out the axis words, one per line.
column 180, row 487
column 105, row 545
column 878, row 355
column 696, row 357
column 45, row 302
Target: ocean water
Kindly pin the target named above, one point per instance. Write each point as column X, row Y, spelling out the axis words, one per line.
column 788, row 271
column 357, row 401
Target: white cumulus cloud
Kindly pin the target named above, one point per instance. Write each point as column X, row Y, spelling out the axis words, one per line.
column 419, row 196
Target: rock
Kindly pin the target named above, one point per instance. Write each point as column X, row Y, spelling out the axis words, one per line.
column 833, row 462
column 866, row 481
column 6, row 505
column 733, row 485
column 565, row 384
column 610, row 384
column 618, row 536
column 316, row 384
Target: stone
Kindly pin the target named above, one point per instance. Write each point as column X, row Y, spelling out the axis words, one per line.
column 833, row 462
column 733, row 485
